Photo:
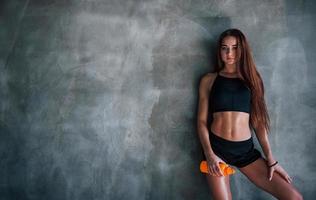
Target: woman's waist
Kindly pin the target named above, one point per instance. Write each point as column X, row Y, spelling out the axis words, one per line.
column 240, row 132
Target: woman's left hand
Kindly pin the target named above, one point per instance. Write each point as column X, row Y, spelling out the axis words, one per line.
column 281, row 171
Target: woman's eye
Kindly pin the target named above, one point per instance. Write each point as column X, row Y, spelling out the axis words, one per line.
column 225, row 48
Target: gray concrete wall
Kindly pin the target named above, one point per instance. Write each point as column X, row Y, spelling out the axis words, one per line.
column 99, row 98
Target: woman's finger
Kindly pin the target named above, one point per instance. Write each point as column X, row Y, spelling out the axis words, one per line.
column 289, row 179
column 219, row 171
column 283, row 174
column 210, row 170
column 215, row 168
column 286, row 178
column 271, row 170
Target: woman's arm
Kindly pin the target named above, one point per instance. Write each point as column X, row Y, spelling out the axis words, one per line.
column 262, row 136
column 202, row 116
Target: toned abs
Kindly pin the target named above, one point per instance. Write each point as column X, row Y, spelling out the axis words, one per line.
column 229, row 124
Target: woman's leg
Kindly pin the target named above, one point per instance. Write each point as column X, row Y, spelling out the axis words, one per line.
column 257, row 172
column 220, row 187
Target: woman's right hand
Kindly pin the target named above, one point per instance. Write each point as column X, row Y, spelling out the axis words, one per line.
column 213, row 165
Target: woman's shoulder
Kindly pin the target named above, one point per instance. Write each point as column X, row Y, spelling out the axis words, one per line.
column 209, row 76
column 208, row 79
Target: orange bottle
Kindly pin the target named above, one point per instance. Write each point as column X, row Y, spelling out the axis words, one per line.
column 226, row 169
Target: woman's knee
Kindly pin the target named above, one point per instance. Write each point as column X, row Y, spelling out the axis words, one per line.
column 294, row 195
column 297, row 196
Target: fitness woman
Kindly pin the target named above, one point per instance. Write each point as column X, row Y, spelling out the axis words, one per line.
column 234, row 97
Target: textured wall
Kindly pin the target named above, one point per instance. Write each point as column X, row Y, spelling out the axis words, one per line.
column 99, row 98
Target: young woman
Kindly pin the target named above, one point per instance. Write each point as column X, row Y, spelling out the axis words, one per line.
column 234, row 97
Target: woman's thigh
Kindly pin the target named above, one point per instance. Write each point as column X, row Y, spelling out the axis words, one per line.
column 257, row 172
column 220, row 187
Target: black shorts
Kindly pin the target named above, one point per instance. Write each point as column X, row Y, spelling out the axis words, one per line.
column 236, row 153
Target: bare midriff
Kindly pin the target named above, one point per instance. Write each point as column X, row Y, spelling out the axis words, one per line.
column 231, row 125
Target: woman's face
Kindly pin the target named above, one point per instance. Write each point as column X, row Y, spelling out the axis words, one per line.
column 229, row 50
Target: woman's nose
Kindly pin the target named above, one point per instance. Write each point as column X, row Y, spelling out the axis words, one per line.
column 230, row 52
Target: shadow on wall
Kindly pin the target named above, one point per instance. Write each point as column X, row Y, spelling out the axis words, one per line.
column 178, row 65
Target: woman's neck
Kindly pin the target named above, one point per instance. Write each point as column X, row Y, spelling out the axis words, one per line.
column 229, row 69
column 229, row 72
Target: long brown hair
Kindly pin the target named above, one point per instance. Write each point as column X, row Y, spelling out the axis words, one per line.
column 246, row 69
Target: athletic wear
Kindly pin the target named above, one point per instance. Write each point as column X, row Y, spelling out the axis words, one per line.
column 236, row 153
column 229, row 94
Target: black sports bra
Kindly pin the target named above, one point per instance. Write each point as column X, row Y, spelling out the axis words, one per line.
column 229, row 94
